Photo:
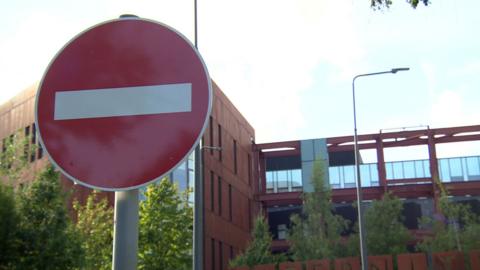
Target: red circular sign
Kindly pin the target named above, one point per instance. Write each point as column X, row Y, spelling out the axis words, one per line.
column 123, row 103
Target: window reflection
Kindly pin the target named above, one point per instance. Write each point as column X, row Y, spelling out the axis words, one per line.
column 450, row 169
column 344, row 176
column 284, row 181
column 459, row 169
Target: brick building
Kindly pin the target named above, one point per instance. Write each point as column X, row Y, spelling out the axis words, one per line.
column 228, row 174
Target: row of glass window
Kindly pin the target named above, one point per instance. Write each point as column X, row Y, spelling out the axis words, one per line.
column 450, row 170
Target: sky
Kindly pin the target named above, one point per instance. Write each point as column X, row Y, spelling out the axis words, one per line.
column 288, row 65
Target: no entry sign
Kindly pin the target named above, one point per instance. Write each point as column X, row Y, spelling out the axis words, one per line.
column 123, row 103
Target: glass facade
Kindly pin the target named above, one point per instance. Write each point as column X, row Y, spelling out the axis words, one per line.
column 344, row 176
column 450, row 170
column 284, row 180
column 183, row 176
column 408, row 169
column 459, row 169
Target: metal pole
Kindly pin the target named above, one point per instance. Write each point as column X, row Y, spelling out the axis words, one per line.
column 198, row 214
column 361, row 227
column 195, row 16
column 125, row 230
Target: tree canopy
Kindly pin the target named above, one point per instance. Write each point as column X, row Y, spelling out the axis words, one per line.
column 316, row 234
column 8, row 226
column 386, row 233
column 166, row 228
column 95, row 226
column 46, row 237
column 259, row 249
column 457, row 229
column 380, row 4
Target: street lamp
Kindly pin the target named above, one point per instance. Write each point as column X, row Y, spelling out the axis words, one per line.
column 363, row 248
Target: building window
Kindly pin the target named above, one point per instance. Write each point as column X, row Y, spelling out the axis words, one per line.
column 34, row 134
column 211, row 135
column 33, row 142
column 249, row 173
column 220, row 142
column 212, row 191
column 230, row 215
column 4, row 149
column 284, row 180
column 231, row 253
column 282, row 231
column 4, row 145
column 191, row 177
column 219, row 196
column 180, row 176
column 235, row 169
column 212, row 245
column 40, row 151
column 10, row 144
column 220, row 254
column 249, row 214
column 26, row 146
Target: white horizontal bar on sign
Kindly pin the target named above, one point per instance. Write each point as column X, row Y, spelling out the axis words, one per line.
column 123, row 101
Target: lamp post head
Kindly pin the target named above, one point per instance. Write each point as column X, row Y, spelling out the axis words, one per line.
column 395, row 70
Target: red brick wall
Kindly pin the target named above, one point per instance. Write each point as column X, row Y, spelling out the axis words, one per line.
column 228, row 229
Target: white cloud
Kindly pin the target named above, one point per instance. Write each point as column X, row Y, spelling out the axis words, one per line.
column 38, row 34
column 469, row 69
column 429, row 72
column 448, row 110
column 263, row 54
column 26, row 54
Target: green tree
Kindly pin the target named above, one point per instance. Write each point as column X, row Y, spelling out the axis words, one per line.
column 259, row 249
column 381, row 4
column 386, row 233
column 95, row 225
column 13, row 159
column 316, row 234
column 470, row 236
column 8, row 225
column 46, row 238
column 457, row 229
column 165, row 229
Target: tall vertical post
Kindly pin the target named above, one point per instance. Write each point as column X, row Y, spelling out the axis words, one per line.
column 198, row 214
column 434, row 173
column 382, row 174
column 361, row 228
column 362, row 232
column 195, row 17
column 125, row 230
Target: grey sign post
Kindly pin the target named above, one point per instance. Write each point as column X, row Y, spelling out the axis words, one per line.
column 125, row 230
